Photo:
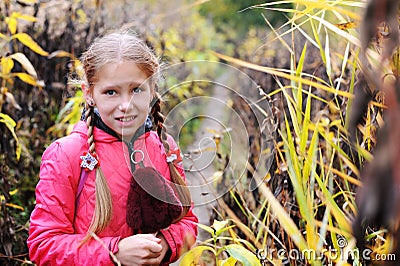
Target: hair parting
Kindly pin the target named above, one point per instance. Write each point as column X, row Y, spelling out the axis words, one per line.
column 122, row 45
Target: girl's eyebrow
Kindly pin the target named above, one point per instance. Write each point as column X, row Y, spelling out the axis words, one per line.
column 134, row 84
column 119, row 86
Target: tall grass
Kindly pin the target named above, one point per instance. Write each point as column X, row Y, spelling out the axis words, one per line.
column 312, row 224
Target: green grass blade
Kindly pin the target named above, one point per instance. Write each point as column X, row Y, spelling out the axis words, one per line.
column 283, row 217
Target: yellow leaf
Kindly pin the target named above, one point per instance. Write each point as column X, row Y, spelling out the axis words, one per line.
column 192, row 257
column 81, row 15
column 245, row 256
column 218, row 225
column 346, row 26
column 12, row 24
column 6, row 65
column 312, row 4
column 15, row 206
column 10, row 124
column 60, row 53
column 6, row 119
column 27, row 78
column 13, row 192
column 18, row 15
column 26, row 64
column 4, row 37
column 344, row 34
column 79, row 68
column 26, row 40
column 28, row 2
column 231, row 261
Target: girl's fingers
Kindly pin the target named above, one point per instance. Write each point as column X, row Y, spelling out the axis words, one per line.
column 150, row 237
column 155, row 248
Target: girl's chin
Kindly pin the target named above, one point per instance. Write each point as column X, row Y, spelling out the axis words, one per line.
column 127, row 134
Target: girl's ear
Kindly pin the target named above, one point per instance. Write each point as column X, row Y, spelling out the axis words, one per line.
column 87, row 93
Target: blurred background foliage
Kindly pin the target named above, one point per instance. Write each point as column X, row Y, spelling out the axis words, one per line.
column 39, row 49
column 240, row 15
column 306, row 57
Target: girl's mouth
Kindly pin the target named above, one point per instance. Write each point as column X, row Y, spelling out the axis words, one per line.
column 126, row 119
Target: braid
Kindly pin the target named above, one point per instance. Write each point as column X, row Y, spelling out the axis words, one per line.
column 159, row 119
column 89, row 118
column 103, row 207
column 180, row 185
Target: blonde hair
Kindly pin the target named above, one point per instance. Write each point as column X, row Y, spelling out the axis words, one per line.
column 113, row 47
column 103, row 206
column 119, row 46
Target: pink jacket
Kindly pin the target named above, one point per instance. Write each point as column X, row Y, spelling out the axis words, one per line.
column 55, row 232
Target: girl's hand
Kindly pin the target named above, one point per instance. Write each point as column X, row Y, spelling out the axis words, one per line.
column 140, row 249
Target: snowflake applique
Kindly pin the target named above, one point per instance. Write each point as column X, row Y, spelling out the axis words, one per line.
column 89, row 161
column 174, row 156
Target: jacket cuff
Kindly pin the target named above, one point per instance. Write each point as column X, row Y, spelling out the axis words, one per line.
column 167, row 257
column 173, row 250
column 113, row 247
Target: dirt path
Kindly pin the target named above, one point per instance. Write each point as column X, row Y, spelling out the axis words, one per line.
column 205, row 171
column 202, row 163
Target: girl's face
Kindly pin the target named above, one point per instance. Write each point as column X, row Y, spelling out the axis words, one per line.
column 122, row 100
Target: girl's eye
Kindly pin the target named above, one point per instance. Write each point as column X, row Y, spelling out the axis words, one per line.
column 137, row 90
column 110, row 92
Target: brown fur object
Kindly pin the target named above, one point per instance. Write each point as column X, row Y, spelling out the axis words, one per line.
column 152, row 204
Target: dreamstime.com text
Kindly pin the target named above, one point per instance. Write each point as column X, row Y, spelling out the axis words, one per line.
column 330, row 255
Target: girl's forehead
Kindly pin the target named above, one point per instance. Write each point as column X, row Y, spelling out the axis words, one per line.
column 120, row 73
column 120, row 65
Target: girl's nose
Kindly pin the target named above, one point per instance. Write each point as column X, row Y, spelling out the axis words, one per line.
column 125, row 105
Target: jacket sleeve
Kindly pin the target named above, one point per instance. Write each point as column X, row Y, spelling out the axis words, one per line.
column 184, row 230
column 52, row 240
column 177, row 234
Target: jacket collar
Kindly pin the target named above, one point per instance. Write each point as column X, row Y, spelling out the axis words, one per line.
column 100, row 135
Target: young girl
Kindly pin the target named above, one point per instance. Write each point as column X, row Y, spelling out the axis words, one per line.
column 81, row 198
